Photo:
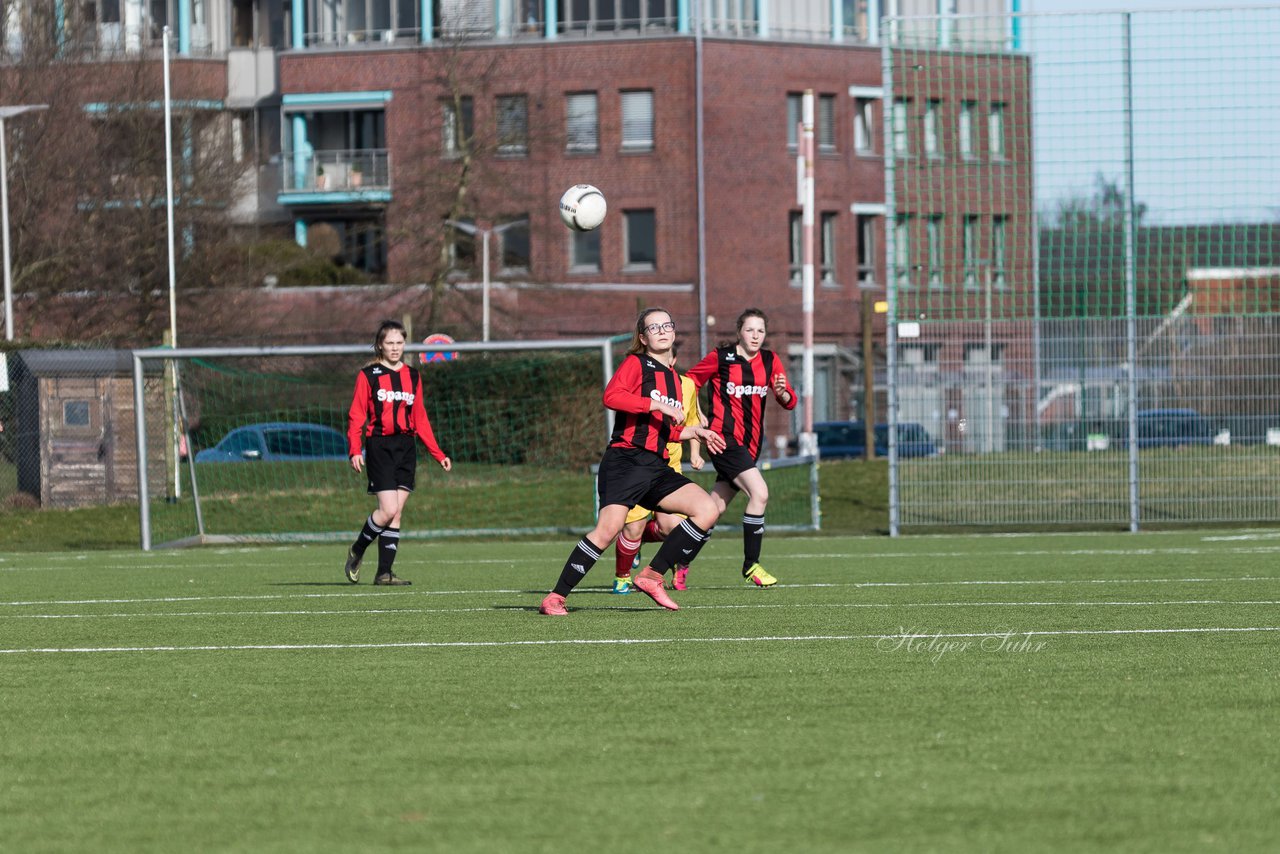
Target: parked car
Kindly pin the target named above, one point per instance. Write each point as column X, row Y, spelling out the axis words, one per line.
column 1173, row 428
column 277, row 441
column 838, row 440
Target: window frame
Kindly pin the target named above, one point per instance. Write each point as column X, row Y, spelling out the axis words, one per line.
column 864, row 124
column 969, row 240
column 513, row 141
column 639, row 144
column 630, row 218
column 997, row 146
column 828, row 225
column 576, row 239
column 999, row 250
column 572, row 145
column 453, row 144
column 964, row 130
column 901, row 128
column 935, row 236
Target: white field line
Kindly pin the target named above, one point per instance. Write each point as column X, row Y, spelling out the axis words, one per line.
column 502, row 591
column 357, row 612
column 1001, row 633
column 427, row 560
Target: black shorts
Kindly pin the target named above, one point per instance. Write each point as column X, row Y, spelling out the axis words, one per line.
column 391, row 462
column 630, row 476
column 732, row 462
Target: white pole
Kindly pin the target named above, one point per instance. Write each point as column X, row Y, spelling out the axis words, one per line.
column 4, row 231
column 168, row 188
column 173, row 298
column 484, row 266
column 808, row 441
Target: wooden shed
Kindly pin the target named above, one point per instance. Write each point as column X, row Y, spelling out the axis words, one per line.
column 76, row 444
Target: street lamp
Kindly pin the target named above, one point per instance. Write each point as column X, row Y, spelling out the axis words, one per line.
column 473, row 230
column 8, row 112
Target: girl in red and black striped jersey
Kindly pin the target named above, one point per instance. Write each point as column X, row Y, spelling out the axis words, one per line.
column 386, row 414
column 645, row 394
column 743, row 375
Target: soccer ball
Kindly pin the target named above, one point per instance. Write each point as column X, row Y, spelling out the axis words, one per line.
column 582, row 207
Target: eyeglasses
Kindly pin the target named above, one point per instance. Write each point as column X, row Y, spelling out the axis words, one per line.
column 669, row 326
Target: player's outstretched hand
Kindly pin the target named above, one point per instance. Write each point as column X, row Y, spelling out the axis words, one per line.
column 715, row 442
column 446, row 464
column 779, row 385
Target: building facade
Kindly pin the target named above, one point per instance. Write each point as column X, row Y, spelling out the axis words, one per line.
column 405, row 131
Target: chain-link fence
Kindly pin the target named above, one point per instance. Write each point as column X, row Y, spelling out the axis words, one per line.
column 1084, row 249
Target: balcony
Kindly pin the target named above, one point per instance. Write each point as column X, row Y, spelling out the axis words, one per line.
column 355, row 176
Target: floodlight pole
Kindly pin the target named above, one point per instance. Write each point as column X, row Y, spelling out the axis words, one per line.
column 7, row 112
column 484, row 233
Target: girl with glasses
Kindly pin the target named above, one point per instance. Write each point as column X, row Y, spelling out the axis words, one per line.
column 646, row 396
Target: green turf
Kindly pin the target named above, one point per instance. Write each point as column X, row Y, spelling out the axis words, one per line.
column 751, row 720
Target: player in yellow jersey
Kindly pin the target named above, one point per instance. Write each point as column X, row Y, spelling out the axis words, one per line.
column 627, row 546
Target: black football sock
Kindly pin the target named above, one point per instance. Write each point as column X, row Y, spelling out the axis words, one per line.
column 388, row 545
column 752, row 540
column 584, row 556
column 681, row 546
column 367, row 535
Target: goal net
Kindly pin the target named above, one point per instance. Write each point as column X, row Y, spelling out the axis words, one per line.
column 248, row 444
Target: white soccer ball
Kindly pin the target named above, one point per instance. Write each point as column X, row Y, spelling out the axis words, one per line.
column 582, row 207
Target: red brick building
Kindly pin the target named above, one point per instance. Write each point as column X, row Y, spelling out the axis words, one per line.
column 367, row 117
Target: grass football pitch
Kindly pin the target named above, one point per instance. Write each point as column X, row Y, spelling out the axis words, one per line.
column 1025, row 693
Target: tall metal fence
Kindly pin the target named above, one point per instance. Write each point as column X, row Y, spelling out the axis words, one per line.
column 1083, row 236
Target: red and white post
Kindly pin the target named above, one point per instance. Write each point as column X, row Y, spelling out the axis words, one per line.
column 808, row 443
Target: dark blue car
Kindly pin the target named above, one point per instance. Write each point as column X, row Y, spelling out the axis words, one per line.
column 1172, row 428
column 277, row 440
column 838, row 440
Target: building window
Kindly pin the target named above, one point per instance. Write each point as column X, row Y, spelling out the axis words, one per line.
column 824, row 130
column 970, row 251
column 462, row 247
column 934, row 234
column 794, row 111
column 964, row 128
column 864, row 127
column 795, row 252
column 932, row 148
column 514, row 234
column 866, row 250
column 642, row 240
column 357, row 242
column 75, row 413
column 827, row 251
column 637, row 121
column 513, row 124
column 459, row 125
column 582, row 124
column 995, row 131
column 998, row 259
column 355, row 21
column 826, row 118
column 612, row 15
column 584, row 252
column 901, row 142
column 902, row 250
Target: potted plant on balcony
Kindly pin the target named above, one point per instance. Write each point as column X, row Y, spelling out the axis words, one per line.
column 320, row 179
column 357, row 174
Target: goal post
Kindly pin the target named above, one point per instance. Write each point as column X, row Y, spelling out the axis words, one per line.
column 266, row 458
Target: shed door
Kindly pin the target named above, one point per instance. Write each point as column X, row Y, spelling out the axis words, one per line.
column 76, row 453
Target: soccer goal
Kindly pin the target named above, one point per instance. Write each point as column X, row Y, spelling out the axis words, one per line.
column 240, row 445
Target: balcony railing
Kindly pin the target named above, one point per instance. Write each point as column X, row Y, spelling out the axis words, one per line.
column 344, row 171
